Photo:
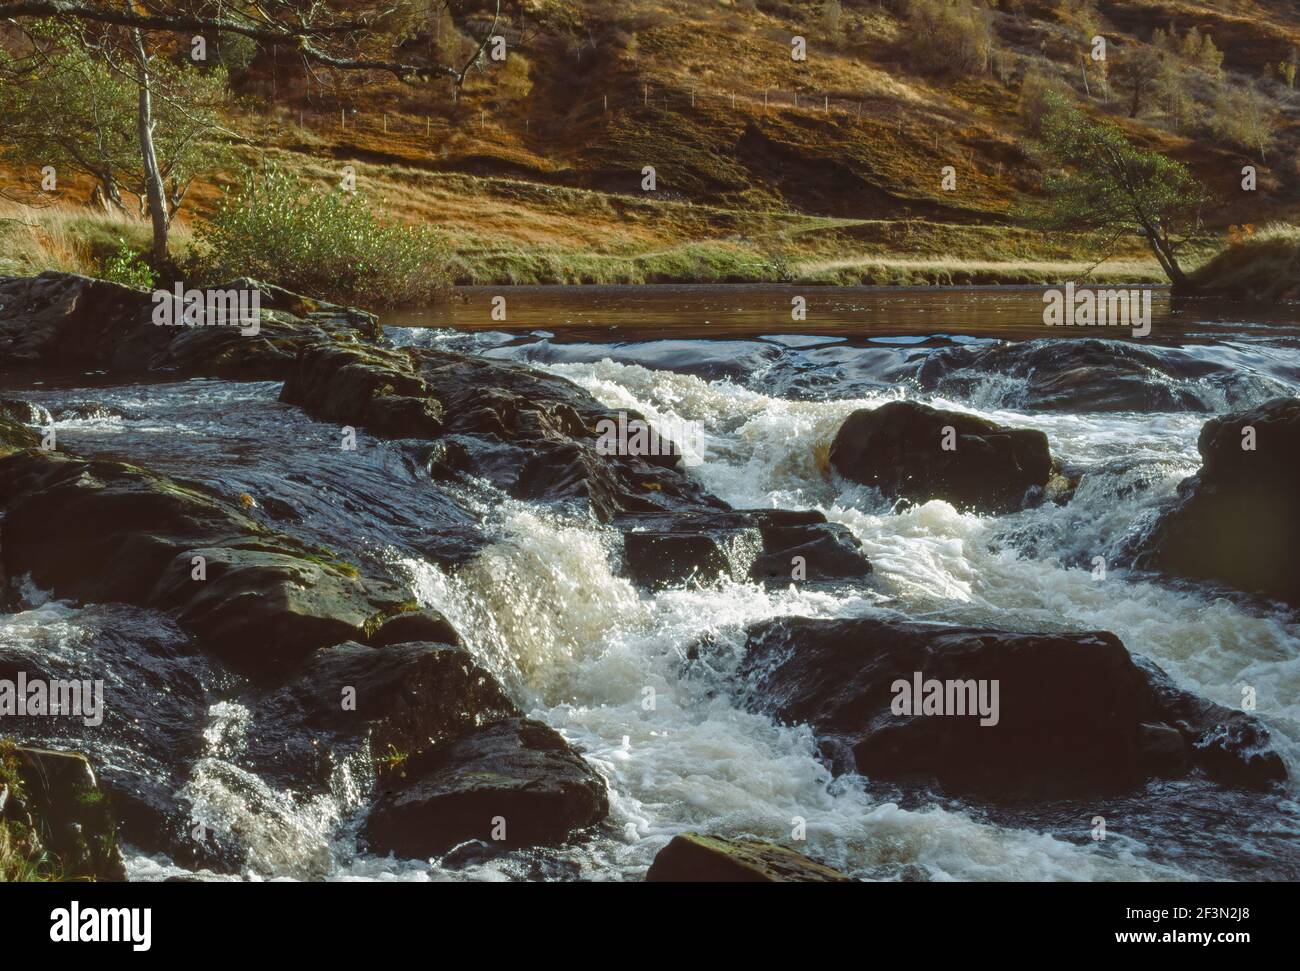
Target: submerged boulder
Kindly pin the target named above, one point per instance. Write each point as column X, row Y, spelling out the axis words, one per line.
column 510, row 784
column 1091, row 374
column 1237, row 521
column 912, row 451
column 992, row 712
column 696, row 858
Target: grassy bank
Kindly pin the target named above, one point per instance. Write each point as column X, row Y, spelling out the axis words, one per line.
column 71, row 238
column 616, row 242
column 1263, row 267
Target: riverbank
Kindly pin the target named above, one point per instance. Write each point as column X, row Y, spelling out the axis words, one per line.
column 504, row 233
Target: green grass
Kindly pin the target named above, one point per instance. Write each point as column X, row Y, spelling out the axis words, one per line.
column 21, row 858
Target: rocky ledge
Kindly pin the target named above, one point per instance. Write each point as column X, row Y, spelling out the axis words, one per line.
column 536, row 437
column 333, row 665
column 1037, row 715
column 62, row 322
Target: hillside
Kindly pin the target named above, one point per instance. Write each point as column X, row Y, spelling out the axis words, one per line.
column 825, row 169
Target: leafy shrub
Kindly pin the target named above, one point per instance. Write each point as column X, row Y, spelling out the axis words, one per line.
column 128, row 267
column 949, row 37
column 1244, row 118
column 1040, row 94
column 273, row 226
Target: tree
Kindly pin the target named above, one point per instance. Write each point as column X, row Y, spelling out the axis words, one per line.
column 1172, row 94
column 321, row 35
column 1137, row 72
column 78, row 111
column 1210, row 57
column 950, row 37
column 1107, row 186
column 832, row 14
column 1243, row 117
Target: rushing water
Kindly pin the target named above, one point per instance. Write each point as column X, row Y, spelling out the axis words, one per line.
column 539, row 600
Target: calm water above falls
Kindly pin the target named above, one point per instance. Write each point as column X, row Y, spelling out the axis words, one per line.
column 540, row 601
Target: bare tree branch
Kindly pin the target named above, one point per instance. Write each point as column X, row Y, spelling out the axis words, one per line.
column 298, row 35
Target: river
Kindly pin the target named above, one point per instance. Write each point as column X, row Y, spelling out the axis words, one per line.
column 538, row 598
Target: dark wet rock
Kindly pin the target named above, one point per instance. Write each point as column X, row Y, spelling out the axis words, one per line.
column 395, row 705
column 98, row 531
column 517, row 773
column 51, row 802
column 87, row 410
column 157, row 692
column 15, row 434
column 531, row 434
column 1075, row 714
column 1163, row 749
column 824, row 551
column 696, row 858
column 279, row 510
column 367, row 386
column 415, row 625
column 667, row 549
column 65, row 322
column 264, row 609
column 1093, row 374
column 672, row 557
column 1237, row 520
column 899, row 449
column 23, row 412
column 1231, row 746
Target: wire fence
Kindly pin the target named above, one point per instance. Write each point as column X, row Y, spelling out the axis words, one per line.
column 843, row 108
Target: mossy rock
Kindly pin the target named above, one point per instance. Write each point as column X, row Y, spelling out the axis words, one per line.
column 57, row 823
column 696, row 858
